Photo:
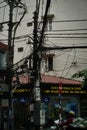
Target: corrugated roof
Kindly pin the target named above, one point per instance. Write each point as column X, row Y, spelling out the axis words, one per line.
column 50, row 79
column 54, row 79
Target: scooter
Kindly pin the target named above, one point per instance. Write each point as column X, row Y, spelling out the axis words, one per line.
column 56, row 124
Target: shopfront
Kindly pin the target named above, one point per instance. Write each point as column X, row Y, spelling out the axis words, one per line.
column 70, row 100
column 4, row 110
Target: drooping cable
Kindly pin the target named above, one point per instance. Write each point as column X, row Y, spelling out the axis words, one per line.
column 3, row 6
column 72, row 62
column 24, row 7
column 44, row 23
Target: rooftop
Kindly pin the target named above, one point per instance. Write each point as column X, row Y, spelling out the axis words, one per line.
column 50, row 79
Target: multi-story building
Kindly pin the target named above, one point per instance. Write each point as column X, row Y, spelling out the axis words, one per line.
column 66, row 27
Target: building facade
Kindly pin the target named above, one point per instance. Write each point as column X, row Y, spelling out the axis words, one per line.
column 72, row 96
column 65, row 28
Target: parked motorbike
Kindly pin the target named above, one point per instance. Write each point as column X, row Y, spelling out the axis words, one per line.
column 55, row 126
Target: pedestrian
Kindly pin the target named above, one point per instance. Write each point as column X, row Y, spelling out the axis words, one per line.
column 69, row 120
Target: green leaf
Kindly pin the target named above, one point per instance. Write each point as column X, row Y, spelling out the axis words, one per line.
column 79, row 74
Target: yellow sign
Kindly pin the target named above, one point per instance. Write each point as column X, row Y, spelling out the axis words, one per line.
column 22, row 90
column 65, row 90
column 54, row 90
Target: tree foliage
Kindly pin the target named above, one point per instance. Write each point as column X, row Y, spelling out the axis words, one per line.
column 82, row 73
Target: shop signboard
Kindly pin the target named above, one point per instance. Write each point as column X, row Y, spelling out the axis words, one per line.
column 53, row 89
column 49, row 89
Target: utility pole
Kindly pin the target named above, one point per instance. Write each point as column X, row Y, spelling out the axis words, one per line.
column 37, row 48
column 9, row 72
column 36, row 73
column 10, row 47
column 10, row 55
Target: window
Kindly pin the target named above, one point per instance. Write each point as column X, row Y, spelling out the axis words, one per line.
column 20, row 49
column 50, row 63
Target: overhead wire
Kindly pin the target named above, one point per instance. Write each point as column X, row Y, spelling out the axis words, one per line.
column 62, row 69
column 70, row 20
column 71, row 62
column 71, row 37
column 2, row 2
column 44, row 23
column 63, row 47
column 49, row 43
column 3, row 6
column 24, row 7
column 26, row 50
column 65, row 30
column 65, row 66
column 74, row 56
column 65, row 34
column 18, row 37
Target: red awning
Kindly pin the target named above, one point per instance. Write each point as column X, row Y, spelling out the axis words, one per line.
column 50, row 79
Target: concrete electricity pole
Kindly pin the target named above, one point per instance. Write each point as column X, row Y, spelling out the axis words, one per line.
column 37, row 48
column 36, row 72
column 9, row 65
column 10, row 56
column 36, row 59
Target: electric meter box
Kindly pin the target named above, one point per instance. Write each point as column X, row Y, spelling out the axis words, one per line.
column 37, row 94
